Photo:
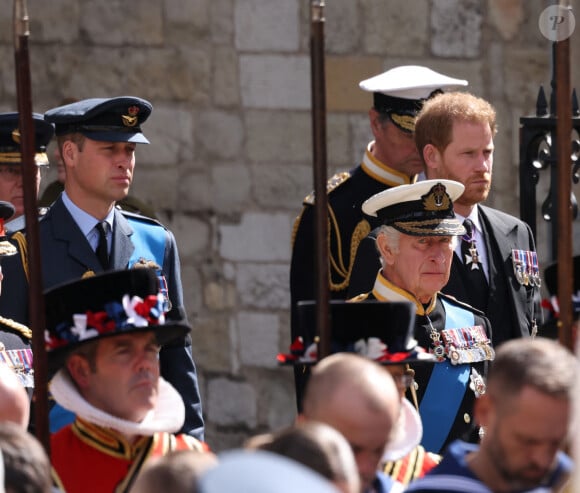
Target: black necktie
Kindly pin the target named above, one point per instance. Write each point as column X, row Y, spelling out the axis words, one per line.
column 478, row 287
column 102, row 250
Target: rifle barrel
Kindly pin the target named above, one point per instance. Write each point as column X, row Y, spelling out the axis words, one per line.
column 320, row 174
column 29, row 184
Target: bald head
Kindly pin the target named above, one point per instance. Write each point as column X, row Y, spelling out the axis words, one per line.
column 359, row 398
column 345, row 373
column 14, row 402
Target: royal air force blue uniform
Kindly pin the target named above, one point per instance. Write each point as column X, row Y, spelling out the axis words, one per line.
column 67, row 255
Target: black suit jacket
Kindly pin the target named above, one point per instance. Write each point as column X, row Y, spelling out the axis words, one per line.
column 512, row 307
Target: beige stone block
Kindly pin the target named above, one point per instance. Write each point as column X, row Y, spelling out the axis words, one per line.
column 222, row 22
column 524, row 72
column 192, row 292
column 343, row 75
column 259, row 236
column 276, row 136
column 396, row 27
column 338, row 139
column 216, row 128
column 153, row 185
column 276, row 402
column 150, row 73
column 225, row 198
column 361, row 135
column 7, row 80
column 231, row 403
column 275, row 81
column 120, row 23
column 192, row 13
column 225, row 77
column 57, row 20
column 169, row 129
column 266, row 25
column 280, row 186
column 456, row 28
column 192, row 234
column 265, row 286
column 342, row 27
column 197, row 59
column 219, row 295
column 194, row 191
column 208, row 354
column 258, row 335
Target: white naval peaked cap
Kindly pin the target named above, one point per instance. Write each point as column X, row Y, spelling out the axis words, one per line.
column 424, row 208
column 410, row 82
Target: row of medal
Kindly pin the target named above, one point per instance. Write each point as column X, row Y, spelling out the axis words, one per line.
column 467, row 345
column 526, row 268
column 20, row 361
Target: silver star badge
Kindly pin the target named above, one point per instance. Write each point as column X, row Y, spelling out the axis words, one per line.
column 473, row 258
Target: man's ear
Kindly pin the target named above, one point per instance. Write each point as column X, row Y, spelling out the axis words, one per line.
column 68, row 151
column 376, row 125
column 431, row 157
column 79, row 369
column 385, row 249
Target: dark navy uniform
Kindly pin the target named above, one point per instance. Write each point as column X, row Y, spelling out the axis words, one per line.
column 457, row 334
column 463, row 425
column 348, row 226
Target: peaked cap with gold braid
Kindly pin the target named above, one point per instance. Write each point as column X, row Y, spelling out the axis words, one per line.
column 10, row 139
column 424, row 208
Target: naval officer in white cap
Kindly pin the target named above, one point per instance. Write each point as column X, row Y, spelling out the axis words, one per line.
column 391, row 159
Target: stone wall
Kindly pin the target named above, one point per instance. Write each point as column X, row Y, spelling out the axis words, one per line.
column 230, row 159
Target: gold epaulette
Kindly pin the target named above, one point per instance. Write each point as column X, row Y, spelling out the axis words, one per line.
column 295, row 229
column 17, row 327
column 20, row 239
column 334, row 182
column 361, row 231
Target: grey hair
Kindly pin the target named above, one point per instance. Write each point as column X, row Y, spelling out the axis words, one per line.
column 392, row 235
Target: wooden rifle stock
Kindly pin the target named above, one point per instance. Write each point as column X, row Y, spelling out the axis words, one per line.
column 29, row 173
column 320, row 174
